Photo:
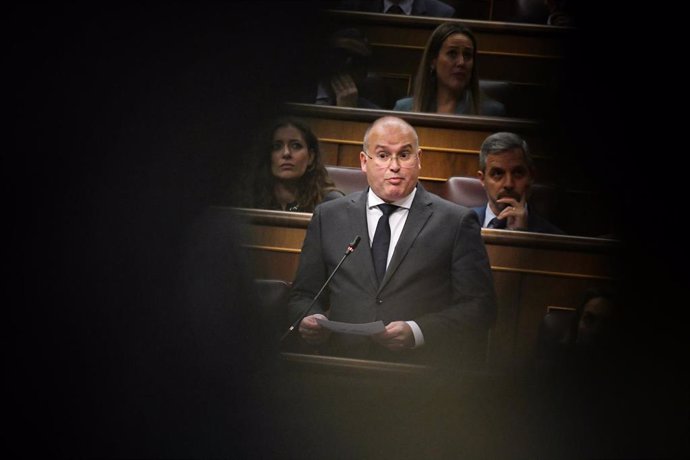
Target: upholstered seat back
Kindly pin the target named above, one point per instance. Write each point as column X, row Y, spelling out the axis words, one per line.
column 465, row 191
column 348, row 179
column 468, row 191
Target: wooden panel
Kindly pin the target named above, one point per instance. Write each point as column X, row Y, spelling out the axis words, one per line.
column 329, row 152
column 502, row 335
column 451, row 148
column 395, row 59
column 433, row 185
column 531, row 271
column 524, row 53
column 441, row 164
column 551, row 261
column 521, row 100
column 471, row 9
column 436, row 163
column 529, row 68
column 508, row 41
column 281, row 238
column 398, row 85
column 537, row 293
column 271, row 264
column 534, row 70
column 504, row 37
column 450, row 143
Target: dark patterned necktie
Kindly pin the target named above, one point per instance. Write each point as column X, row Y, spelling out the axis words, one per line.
column 497, row 223
column 382, row 240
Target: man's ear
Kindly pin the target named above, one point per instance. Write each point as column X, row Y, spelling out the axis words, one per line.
column 363, row 158
column 480, row 176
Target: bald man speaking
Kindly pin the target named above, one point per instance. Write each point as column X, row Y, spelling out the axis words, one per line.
column 421, row 267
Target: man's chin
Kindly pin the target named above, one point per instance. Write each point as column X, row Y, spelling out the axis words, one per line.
column 394, row 193
column 500, row 207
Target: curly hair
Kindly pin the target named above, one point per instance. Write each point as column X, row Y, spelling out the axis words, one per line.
column 312, row 187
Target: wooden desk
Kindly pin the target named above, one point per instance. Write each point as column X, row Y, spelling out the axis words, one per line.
column 333, row 407
column 531, row 271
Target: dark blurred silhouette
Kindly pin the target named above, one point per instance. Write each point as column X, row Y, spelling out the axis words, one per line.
column 434, row 8
column 591, row 340
column 122, row 119
column 344, row 75
column 137, row 333
column 551, row 12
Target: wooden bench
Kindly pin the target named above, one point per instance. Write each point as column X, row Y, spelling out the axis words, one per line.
column 451, row 146
column 528, row 56
column 450, row 142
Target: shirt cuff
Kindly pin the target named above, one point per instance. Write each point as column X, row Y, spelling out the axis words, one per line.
column 417, row 333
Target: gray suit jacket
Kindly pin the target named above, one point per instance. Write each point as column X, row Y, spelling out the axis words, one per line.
column 439, row 276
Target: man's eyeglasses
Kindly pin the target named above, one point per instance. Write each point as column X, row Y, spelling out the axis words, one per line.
column 383, row 158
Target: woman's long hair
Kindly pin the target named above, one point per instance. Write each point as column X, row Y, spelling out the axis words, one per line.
column 312, row 187
column 426, row 82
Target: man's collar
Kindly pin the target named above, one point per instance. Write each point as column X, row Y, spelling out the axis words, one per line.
column 490, row 214
column 374, row 200
column 405, row 5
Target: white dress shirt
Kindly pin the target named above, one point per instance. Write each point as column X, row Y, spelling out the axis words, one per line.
column 396, row 221
column 488, row 216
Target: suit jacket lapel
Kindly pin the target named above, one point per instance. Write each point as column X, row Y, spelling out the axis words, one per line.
column 418, row 8
column 419, row 213
column 481, row 213
column 357, row 216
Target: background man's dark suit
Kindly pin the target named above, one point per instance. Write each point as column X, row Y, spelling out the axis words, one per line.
column 434, row 8
column 439, row 276
column 535, row 223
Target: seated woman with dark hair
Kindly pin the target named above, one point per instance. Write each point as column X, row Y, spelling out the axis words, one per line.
column 290, row 175
column 447, row 80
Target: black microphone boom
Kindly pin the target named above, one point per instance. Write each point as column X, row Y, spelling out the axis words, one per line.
column 350, row 249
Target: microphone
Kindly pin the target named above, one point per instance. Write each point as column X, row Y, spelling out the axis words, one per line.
column 350, row 249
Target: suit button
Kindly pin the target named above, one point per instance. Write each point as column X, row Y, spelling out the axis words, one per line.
column 379, row 301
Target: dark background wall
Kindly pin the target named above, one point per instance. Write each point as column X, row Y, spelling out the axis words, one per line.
column 127, row 120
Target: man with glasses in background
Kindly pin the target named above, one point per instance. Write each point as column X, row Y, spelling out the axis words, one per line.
column 421, row 267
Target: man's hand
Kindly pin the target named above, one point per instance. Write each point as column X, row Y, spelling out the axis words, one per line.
column 312, row 332
column 345, row 90
column 397, row 336
column 515, row 212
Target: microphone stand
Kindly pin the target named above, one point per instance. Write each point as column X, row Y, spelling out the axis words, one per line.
column 350, row 249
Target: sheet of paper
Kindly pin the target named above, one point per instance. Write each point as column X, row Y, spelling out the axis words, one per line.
column 353, row 328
